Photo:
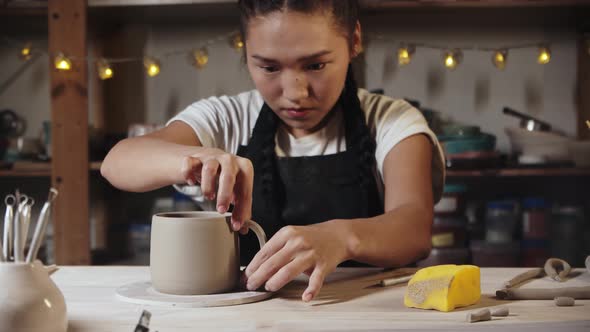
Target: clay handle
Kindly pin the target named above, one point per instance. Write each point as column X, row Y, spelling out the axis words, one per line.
column 258, row 231
column 557, row 269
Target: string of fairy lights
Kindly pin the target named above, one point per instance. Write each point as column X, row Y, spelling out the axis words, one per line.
column 199, row 56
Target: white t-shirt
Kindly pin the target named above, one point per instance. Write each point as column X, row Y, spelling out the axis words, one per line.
column 227, row 122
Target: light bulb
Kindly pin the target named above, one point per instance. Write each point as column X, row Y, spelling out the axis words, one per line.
column 452, row 58
column 25, row 52
column 61, row 62
column 237, row 42
column 499, row 59
column 152, row 66
column 404, row 54
column 200, row 58
column 544, row 55
column 104, row 69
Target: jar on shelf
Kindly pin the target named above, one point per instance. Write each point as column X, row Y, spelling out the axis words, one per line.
column 535, row 217
column 501, row 220
column 567, row 229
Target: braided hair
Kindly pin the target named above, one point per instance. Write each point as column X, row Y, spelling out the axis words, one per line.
column 358, row 136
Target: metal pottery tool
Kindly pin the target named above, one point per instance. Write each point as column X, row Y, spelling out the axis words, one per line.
column 10, row 201
column 18, row 229
column 41, row 226
column 26, row 220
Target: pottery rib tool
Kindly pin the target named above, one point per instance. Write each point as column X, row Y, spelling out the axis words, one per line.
column 557, row 269
column 543, row 293
column 41, row 226
column 530, row 274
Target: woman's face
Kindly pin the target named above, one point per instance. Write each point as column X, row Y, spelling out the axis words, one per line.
column 298, row 63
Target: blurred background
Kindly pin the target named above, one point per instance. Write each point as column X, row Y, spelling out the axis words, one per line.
column 505, row 84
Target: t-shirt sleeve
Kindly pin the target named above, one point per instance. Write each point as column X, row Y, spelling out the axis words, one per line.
column 222, row 122
column 392, row 121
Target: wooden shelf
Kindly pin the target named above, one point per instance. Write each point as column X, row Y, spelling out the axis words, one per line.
column 368, row 4
column 40, row 170
column 520, row 172
column 45, row 170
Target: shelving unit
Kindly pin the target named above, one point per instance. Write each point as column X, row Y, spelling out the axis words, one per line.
column 520, row 172
column 69, row 31
column 40, row 170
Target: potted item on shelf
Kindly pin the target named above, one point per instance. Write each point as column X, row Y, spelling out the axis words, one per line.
column 536, row 147
column 466, row 147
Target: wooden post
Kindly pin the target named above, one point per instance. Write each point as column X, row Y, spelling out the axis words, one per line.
column 69, row 128
column 584, row 86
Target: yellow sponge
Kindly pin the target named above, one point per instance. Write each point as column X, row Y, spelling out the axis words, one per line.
column 444, row 287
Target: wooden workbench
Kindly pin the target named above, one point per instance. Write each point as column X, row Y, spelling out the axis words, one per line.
column 347, row 302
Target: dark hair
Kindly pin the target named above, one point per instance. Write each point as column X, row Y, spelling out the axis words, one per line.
column 344, row 12
column 358, row 137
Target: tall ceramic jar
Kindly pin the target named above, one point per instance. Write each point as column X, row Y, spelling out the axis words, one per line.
column 30, row 301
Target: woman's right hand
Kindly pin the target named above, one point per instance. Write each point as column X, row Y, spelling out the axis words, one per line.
column 226, row 176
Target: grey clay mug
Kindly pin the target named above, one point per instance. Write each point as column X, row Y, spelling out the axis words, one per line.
column 196, row 253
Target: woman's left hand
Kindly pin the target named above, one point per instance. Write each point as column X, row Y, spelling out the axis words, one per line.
column 315, row 250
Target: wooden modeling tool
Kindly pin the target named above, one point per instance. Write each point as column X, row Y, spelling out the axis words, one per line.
column 395, row 281
column 530, row 274
column 543, row 293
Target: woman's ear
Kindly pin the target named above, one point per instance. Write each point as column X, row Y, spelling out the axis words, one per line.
column 357, row 41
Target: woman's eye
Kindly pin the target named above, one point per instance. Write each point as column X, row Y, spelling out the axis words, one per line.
column 316, row 66
column 269, row 69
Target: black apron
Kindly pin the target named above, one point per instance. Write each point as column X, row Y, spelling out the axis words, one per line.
column 314, row 189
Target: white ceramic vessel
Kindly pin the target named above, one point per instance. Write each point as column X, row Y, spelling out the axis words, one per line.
column 30, row 301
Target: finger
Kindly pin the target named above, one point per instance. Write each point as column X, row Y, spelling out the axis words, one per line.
column 276, row 243
column 287, row 273
column 243, row 194
column 267, row 269
column 191, row 170
column 316, row 280
column 209, row 178
column 227, row 180
column 244, row 230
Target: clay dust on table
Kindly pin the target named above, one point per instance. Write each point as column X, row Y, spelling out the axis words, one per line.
column 418, row 291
